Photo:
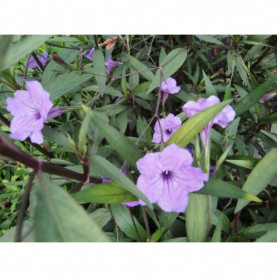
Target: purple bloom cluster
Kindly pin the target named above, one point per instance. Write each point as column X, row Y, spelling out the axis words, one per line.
column 169, row 86
column 30, row 109
column 192, row 108
column 42, row 58
column 167, row 178
column 110, row 64
column 169, row 126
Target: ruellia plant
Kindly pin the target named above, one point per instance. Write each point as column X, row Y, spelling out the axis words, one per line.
column 138, row 138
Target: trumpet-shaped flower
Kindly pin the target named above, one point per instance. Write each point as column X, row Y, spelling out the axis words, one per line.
column 169, row 86
column 169, row 126
column 110, row 64
column 192, row 108
column 167, row 178
column 30, row 109
column 90, row 54
column 42, row 58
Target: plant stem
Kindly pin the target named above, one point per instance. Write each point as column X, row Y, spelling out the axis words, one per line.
column 23, row 207
column 135, row 226
column 146, row 224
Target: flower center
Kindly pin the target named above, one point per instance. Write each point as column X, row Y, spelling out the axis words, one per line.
column 37, row 115
column 167, row 175
column 168, row 131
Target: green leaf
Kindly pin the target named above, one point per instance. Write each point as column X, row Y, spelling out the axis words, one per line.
column 258, row 230
column 185, row 134
column 108, row 170
column 4, row 46
column 197, row 217
column 65, row 83
column 21, row 48
column 242, row 161
column 50, row 72
column 110, row 90
column 270, row 236
column 148, row 75
column 124, row 221
column 56, row 136
column 263, row 173
column 210, row 90
column 253, row 97
column 178, row 57
column 109, row 193
column 10, row 235
column 60, row 219
column 83, row 133
column 99, row 68
column 118, row 141
column 217, row 187
column 210, row 39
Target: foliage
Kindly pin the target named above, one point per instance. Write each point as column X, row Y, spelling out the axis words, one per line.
column 54, row 191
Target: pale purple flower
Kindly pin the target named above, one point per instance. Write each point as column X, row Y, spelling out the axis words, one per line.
column 30, row 109
column 169, row 126
column 267, row 96
column 167, row 178
column 42, row 58
column 169, row 86
column 90, row 54
column 110, row 64
column 192, row 108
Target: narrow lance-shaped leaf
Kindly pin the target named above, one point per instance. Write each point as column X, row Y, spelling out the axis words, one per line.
column 185, row 134
column 210, row 90
column 99, row 68
column 263, row 173
column 217, row 187
column 253, row 97
column 118, row 141
column 109, row 193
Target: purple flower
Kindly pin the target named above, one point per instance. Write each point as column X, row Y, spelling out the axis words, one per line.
column 267, row 96
column 42, row 58
column 30, row 109
column 169, row 126
column 167, row 178
column 169, row 86
column 192, row 108
column 110, row 64
column 90, row 54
